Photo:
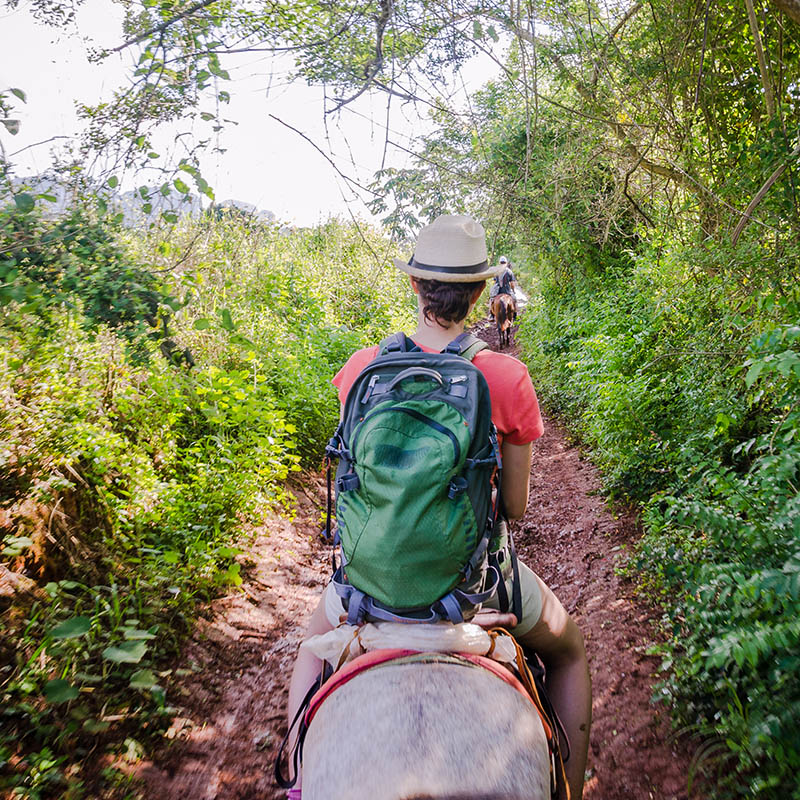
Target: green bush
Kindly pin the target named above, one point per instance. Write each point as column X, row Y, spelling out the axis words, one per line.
column 687, row 390
column 128, row 480
column 77, row 261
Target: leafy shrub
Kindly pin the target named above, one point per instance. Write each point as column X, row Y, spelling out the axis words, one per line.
column 689, row 402
column 291, row 306
column 126, row 484
column 47, row 264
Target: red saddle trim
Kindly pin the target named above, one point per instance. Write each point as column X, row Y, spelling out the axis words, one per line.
column 361, row 663
column 375, row 658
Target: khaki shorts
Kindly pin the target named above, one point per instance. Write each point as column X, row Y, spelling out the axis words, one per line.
column 529, row 585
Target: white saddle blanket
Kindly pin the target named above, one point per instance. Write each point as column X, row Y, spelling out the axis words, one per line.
column 344, row 643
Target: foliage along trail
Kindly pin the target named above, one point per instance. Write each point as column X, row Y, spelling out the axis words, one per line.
column 237, row 666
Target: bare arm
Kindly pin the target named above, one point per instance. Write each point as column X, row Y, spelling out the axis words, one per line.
column 516, row 477
column 307, row 666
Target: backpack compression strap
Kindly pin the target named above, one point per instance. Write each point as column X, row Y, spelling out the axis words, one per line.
column 397, row 343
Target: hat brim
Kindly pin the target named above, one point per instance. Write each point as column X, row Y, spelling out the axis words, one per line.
column 431, row 274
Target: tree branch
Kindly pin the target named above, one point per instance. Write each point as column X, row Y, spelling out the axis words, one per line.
column 769, row 100
column 164, row 25
column 702, row 55
column 760, row 194
column 617, row 128
column 789, row 7
column 325, row 156
column 373, row 67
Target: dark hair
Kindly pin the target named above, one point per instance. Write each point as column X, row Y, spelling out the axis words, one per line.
column 446, row 302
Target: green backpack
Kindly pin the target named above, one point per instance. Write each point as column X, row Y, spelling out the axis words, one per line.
column 418, row 460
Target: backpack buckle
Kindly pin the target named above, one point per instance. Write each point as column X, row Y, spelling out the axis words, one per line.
column 348, row 483
column 458, row 485
column 496, row 447
column 370, row 386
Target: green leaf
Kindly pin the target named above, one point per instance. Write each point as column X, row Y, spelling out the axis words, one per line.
column 11, row 125
column 477, row 29
column 231, row 575
column 215, row 69
column 15, row 545
column 202, row 324
column 752, row 374
column 59, row 691
column 169, row 216
column 95, row 726
column 72, row 628
column 102, row 206
column 787, row 361
column 113, row 181
column 137, row 634
column 227, row 320
column 205, row 116
column 126, row 653
column 20, row 94
column 492, row 33
column 143, row 679
column 180, row 186
column 25, row 203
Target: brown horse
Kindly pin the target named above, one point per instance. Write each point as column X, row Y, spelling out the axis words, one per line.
column 504, row 311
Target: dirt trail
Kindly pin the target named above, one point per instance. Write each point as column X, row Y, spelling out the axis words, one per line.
column 224, row 739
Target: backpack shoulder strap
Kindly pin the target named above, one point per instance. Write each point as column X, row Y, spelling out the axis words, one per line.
column 466, row 345
column 397, row 343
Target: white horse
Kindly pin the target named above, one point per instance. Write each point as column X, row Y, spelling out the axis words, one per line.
column 419, row 731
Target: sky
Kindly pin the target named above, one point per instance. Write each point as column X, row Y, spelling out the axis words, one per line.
column 264, row 163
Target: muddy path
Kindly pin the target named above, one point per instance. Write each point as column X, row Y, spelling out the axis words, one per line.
column 232, row 695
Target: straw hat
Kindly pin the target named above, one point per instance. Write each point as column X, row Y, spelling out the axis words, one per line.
column 452, row 249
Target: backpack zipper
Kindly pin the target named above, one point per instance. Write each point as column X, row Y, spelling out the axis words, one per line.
column 418, row 416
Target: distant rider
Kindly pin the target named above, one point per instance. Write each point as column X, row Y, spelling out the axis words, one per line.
column 505, row 282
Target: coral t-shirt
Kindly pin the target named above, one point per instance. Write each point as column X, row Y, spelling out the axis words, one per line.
column 515, row 409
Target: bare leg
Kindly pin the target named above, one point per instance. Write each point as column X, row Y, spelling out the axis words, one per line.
column 306, row 667
column 559, row 643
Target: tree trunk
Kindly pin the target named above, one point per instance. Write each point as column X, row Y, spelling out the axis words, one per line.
column 789, row 7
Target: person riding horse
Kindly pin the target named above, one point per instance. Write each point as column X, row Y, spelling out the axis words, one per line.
column 448, row 272
column 505, row 282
